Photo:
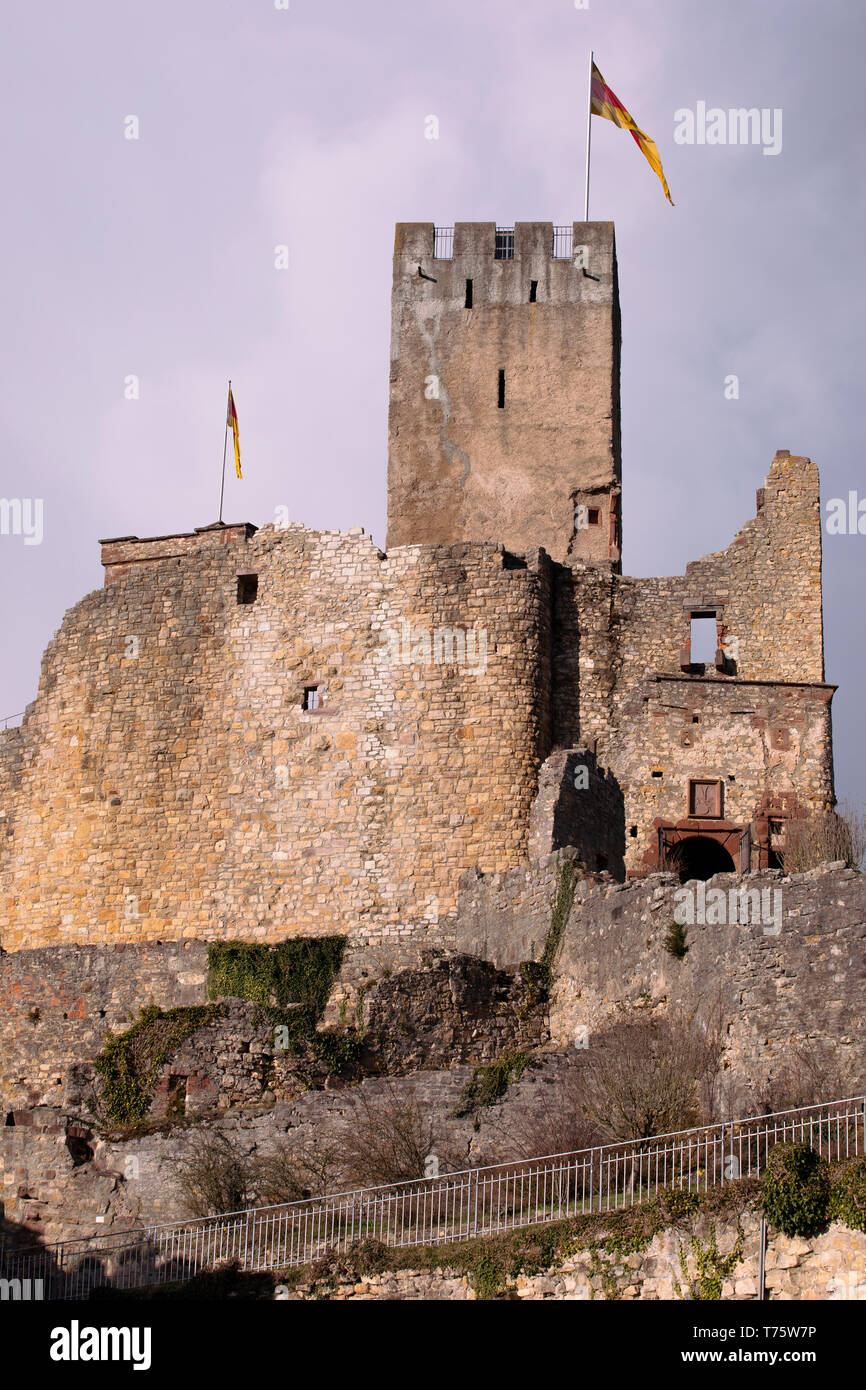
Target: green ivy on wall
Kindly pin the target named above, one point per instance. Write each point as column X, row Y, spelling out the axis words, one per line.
column 130, row 1062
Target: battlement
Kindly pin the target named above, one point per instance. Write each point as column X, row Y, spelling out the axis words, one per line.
column 502, row 258
column 121, row 553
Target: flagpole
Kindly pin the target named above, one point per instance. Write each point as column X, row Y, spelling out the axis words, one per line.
column 588, row 133
column 225, row 443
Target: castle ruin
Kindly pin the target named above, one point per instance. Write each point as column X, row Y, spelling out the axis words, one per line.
column 254, row 733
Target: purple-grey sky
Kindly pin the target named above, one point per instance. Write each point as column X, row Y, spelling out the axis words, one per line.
column 305, row 126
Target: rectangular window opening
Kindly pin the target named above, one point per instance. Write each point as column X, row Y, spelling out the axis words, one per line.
column 703, row 639
column 593, row 516
column 504, row 244
column 533, row 291
column 311, row 697
column 501, row 389
column 176, row 1099
column 468, row 300
column 443, row 243
column 248, row 588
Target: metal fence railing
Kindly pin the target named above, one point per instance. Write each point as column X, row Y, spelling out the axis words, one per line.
column 443, row 243
column 456, row 1206
column 6, row 719
column 563, row 238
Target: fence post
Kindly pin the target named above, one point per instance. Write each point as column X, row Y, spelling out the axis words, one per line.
column 762, row 1259
column 475, row 1203
column 250, row 1226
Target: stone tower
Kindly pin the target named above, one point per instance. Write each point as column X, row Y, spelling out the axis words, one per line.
column 504, row 420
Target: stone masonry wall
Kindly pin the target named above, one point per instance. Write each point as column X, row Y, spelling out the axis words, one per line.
column 624, row 683
column 830, row 1267
column 795, row 979
column 169, row 784
column 462, row 465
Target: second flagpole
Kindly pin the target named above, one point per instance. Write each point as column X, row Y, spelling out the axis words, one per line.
column 588, row 134
column 225, row 443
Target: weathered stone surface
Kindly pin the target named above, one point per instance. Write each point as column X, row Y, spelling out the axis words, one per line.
column 462, row 467
column 655, row 1273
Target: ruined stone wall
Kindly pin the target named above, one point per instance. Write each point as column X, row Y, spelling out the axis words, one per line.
column 462, row 467
column 168, row 783
column 57, row 1004
column 777, row 988
column 794, row 980
column 759, row 739
column 765, row 589
column 758, row 719
column 579, row 805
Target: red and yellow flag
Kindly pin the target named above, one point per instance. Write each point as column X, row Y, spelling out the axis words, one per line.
column 232, row 420
column 603, row 102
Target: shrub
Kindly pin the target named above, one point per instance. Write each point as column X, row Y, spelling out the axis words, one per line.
column 825, row 838
column 848, row 1196
column 795, row 1190
column 388, row 1138
column 650, row 1078
column 297, row 1171
column 552, row 1121
column 212, row 1175
column 810, row 1073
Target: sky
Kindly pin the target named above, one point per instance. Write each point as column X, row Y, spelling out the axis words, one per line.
column 139, row 274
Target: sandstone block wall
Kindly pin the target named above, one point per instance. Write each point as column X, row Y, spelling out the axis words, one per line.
column 169, row 783
column 176, row 778
column 758, row 719
column 462, row 467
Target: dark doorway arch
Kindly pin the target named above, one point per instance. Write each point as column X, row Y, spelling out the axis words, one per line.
column 698, row 856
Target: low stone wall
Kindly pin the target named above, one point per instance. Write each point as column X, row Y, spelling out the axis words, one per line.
column 830, row 1267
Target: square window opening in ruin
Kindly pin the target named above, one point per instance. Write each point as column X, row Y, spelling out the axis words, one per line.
column 703, row 639
column 501, row 401
column 248, row 588
column 468, row 300
column 533, row 291
column 633, row 832
column 705, row 798
column 311, row 697
column 696, row 719
column 656, row 772
column 593, row 516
